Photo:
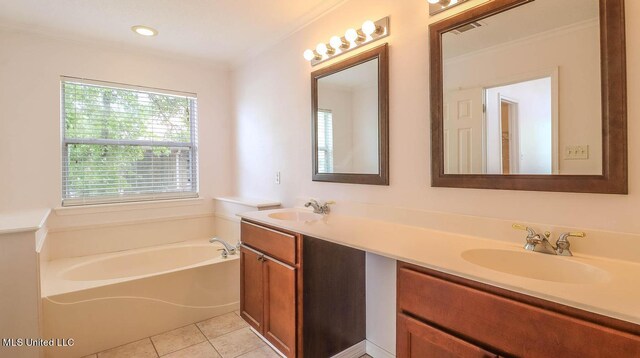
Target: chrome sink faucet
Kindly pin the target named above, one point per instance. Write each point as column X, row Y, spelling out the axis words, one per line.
column 541, row 244
column 318, row 208
column 228, row 248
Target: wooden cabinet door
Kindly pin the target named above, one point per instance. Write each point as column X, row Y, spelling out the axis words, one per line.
column 419, row 340
column 251, row 288
column 280, row 306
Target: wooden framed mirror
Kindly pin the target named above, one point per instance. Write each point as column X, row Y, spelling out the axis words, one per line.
column 530, row 95
column 350, row 127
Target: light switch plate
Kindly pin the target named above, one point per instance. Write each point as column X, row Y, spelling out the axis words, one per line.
column 576, row 152
column 278, row 177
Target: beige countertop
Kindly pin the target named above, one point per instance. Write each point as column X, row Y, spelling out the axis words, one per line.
column 616, row 294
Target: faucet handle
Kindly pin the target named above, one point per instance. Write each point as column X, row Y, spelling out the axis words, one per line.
column 529, row 230
column 574, row 234
column 563, row 244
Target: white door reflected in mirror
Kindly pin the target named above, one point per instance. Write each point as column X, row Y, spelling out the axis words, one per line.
column 522, row 89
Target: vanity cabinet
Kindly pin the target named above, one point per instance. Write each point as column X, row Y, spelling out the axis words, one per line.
column 417, row 339
column 440, row 315
column 303, row 295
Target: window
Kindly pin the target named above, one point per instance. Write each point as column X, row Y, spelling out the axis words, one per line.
column 325, row 141
column 123, row 143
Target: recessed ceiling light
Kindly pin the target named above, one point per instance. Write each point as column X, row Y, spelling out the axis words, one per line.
column 144, row 30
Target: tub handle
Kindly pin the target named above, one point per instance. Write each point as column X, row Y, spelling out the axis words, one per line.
column 224, row 253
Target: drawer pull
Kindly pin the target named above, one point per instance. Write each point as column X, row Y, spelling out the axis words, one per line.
column 262, row 258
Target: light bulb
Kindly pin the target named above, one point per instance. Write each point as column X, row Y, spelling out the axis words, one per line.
column 322, row 49
column 433, row 1
column 336, row 42
column 309, row 55
column 351, row 35
column 369, row 27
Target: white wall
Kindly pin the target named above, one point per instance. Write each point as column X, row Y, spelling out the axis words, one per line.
column 355, row 131
column 339, row 102
column 534, row 112
column 30, row 70
column 574, row 52
column 365, row 130
column 272, row 111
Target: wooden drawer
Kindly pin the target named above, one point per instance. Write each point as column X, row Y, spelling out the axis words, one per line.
column 419, row 340
column 279, row 245
column 513, row 328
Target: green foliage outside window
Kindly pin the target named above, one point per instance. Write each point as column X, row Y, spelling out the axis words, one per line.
column 110, row 115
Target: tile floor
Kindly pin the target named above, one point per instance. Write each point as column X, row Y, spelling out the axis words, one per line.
column 225, row 336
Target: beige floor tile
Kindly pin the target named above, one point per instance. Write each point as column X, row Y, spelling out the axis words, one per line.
column 218, row 326
column 236, row 343
column 264, row 352
column 138, row 349
column 177, row 339
column 200, row 350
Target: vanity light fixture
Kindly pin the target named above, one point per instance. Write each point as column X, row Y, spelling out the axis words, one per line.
column 311, row 55
column 338, row 42
column 369, row 28
column 353, row 38
column 144, row 30
column 437, row 6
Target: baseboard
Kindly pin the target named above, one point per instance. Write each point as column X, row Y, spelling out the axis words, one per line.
column 377, row 352
column 355, row 351
column 267, row 342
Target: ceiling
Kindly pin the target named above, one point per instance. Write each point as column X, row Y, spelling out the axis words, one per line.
column 524, row 21
column 221, row 30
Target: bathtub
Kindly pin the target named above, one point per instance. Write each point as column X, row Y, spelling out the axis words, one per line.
column 103, row 301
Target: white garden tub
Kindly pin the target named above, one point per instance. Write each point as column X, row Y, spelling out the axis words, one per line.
column 106, row 300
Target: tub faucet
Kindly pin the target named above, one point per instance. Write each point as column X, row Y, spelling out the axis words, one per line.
column 538, row 243
column 317, row 208
column 228, row 248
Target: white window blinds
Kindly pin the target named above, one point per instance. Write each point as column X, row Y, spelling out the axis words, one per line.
column 124, row 143
column 325, row 141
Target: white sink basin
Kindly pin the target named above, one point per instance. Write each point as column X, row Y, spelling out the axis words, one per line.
column 295, row 216
column 536, row 265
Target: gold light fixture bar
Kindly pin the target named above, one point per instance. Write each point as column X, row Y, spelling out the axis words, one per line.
column 353, row 38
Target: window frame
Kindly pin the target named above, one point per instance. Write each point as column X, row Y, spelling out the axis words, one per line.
column 194, row 169
column 327, row 149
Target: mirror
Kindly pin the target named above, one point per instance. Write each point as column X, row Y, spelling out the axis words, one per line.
column 522, row 93
column 350, row 120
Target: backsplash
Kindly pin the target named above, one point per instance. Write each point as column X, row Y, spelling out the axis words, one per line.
column 610, row 244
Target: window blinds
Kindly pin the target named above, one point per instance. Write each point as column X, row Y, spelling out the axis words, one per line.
column 325, row 141
column 124, row 143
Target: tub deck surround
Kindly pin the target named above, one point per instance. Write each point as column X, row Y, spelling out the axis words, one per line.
column 616, row 296
column 259, row 204
column 23, row 221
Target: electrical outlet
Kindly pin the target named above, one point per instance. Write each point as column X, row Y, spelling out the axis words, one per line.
column 278, row 177
column 576, row 152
